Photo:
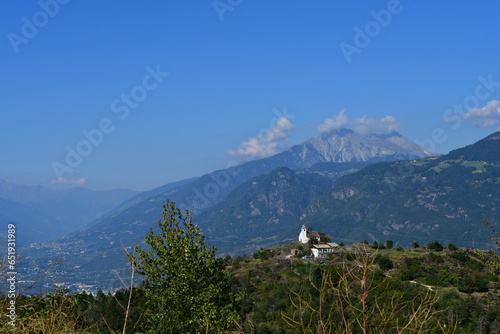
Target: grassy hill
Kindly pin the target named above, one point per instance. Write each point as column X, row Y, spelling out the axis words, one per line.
column 456, row 285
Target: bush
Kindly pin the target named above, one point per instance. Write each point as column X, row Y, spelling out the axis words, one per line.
column 446, row 278
column 435, row 246
column 468, row 284
column 384, row 262
column 324, row 238
column 452, row 247
column 460, row 256
column 411, row 269
column 433, row 258
column 350, row 256
column 377, row 245
column 301, row 252
column 263, row 254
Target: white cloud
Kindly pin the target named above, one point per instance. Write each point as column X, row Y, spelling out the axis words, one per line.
column 62, row 180
column 485, row 117
column 365, row 126
column 266, row 143
column 334, row 123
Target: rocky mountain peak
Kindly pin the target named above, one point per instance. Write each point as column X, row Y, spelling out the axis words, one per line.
column 345, row 145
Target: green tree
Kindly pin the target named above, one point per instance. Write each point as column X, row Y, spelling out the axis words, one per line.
column 435, row 246
column 377, row 245
column 188, row 289
column 494, row 260
column 384, row 262
column 324, row 238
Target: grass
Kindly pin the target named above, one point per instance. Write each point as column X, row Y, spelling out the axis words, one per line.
column 445, row 164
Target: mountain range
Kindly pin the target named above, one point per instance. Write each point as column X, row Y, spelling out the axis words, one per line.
column 349, row 186
column 441, row 198
column 337, row 146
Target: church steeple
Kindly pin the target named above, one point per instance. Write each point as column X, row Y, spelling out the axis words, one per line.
column 303, row 235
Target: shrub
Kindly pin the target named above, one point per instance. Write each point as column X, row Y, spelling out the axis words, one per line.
column 468, row 284
column 460, row 256
column 350, row 256
column 263, row 254
column 377, row 245
column 433, row 258
column 435, row 246
column 324, row 238
column 411, row 269
column 384, row 262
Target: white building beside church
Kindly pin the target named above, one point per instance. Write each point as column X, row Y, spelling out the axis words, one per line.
column 323, row 249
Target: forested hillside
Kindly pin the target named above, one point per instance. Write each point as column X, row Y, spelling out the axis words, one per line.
column 430, row 288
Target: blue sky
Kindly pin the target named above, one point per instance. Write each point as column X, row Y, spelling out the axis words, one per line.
column 176, row 89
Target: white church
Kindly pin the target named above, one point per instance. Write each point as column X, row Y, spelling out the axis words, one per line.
column 306, row 235
column 317, row 249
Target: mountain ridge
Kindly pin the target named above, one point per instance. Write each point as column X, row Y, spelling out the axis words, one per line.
column 262, row 204
column 130, row 223
column 445, row 197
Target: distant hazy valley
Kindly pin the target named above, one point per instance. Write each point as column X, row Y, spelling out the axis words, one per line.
column 45, row 214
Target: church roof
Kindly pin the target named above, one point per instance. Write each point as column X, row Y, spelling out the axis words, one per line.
column 313, row 234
